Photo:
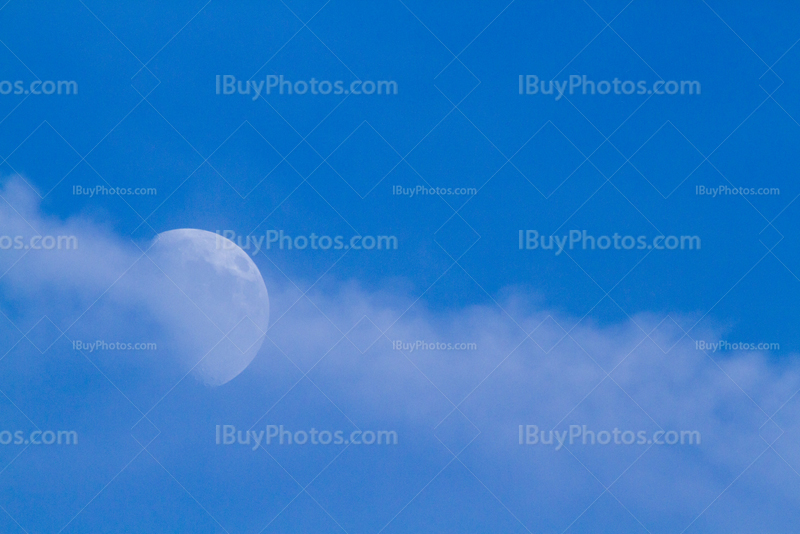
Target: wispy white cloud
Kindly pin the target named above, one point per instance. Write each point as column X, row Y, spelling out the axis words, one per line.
column 639, row 375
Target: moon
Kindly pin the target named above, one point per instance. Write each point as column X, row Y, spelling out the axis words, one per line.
column 219, row 311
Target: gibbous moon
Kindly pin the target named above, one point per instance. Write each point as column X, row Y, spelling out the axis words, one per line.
column 220, row 299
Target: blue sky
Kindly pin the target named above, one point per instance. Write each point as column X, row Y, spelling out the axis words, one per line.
column 673, row 127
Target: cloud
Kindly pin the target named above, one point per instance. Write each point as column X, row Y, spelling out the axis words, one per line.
column 331, row 361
